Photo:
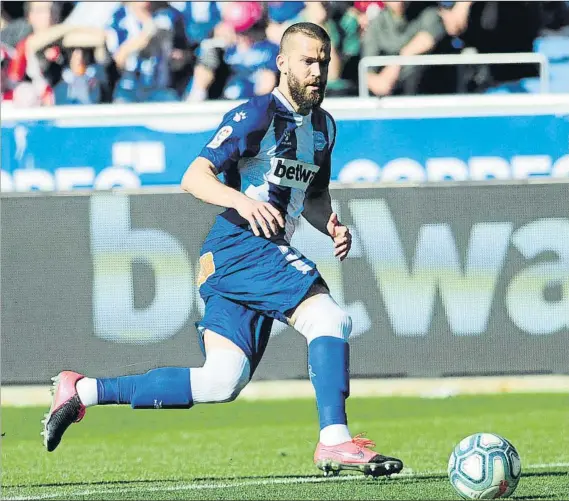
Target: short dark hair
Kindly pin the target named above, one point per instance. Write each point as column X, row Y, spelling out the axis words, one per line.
column 309, row 29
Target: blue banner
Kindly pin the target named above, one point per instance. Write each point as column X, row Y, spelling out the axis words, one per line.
column 54, row 155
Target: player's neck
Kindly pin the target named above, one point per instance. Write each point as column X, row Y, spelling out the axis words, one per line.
column 283, row 89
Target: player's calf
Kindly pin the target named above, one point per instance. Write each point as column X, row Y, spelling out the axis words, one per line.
column 327, row 327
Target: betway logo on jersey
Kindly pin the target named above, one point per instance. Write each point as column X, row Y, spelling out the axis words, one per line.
column 291, row 173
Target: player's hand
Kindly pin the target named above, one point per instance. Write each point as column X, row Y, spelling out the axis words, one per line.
column 341, row 236
column 261, row 215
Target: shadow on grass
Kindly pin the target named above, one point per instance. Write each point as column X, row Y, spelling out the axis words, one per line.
column 547, row 496
column 401, row 479
column 544, row 474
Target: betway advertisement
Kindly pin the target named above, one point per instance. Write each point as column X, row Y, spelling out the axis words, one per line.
column 131, row 152
column 447, row 280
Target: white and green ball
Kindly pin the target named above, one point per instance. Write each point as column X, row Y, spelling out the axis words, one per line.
column 484, row 466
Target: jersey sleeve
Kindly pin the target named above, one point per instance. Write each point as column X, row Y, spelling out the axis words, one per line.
column 239, row 135
column 116, row 35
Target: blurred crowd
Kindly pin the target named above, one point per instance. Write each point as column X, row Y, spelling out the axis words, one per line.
column 94, row 52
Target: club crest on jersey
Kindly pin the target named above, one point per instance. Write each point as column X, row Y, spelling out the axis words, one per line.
column 285, row 141
column 207, row 268
column 319, row 140
column 291, row 173
column 221, row 136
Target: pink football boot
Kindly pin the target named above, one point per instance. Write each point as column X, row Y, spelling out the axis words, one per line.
column 355, row 455
column 66, row 408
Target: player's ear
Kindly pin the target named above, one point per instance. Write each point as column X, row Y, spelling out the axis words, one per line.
column 282, row 64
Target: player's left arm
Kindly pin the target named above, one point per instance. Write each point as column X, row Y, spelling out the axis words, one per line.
column 318, row 203
column 318, row 212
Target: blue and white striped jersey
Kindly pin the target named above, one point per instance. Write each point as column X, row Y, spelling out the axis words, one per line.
column 273, row 154
column 200, row 19
column 150, row 67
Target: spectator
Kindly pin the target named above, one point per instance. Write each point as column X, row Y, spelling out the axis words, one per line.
column 92, row 14
column 84, row 78
column 200, row 18
column 496, row 27
column 38, row 57
column 352, row 22
column 394, row 32
column 141, row 38
column 5, row 84
column 13, row 30
column 248, row 56
column 366, row 11
column 280, row 16
column 555, row 18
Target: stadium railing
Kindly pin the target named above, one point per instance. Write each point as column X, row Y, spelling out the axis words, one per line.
column 453, row 60
column 344, row 107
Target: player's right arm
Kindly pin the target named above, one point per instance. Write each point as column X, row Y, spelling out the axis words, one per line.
column 237, row 137
column 201, row 181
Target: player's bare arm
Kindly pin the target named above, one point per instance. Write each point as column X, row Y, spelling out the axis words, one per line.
column 201, row 181
column 318, row 212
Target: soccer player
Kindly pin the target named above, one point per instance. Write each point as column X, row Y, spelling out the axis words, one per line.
column 274, row 152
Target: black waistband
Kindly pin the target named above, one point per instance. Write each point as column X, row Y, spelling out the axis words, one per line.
column 235, row 218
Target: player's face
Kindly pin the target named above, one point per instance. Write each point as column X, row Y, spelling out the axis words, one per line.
column 307, row 73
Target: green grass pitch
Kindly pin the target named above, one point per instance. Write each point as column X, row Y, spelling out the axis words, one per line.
column 263, row 449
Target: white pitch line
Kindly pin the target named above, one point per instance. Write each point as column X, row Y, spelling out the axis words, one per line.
column 249, row 483
column 545, row 465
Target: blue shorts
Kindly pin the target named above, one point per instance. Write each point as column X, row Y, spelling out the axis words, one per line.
column 246, row 282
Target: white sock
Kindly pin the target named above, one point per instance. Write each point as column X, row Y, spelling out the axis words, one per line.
column 87, row 391
column 335, row 434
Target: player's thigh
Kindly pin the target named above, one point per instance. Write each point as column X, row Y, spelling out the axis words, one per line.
column 317, row 289
column 230, row 325
column 214, row 341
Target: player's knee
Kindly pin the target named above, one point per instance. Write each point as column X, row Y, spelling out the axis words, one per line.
column 322, row 316
column 339, row 322
column 223, row 376
column 228, row 386
column 345, row 325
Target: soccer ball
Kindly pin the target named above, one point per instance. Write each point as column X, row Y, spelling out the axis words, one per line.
column 484, row 466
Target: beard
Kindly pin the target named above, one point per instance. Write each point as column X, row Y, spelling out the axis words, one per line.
column 305, row 98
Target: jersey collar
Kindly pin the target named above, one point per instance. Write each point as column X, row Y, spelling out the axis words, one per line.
column 298, row 118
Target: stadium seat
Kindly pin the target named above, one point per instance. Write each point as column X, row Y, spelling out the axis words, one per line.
column 556, row 48
column 507, row 88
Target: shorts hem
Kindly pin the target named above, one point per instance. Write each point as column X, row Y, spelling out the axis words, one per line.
column 202, row 326
column 294, row 304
